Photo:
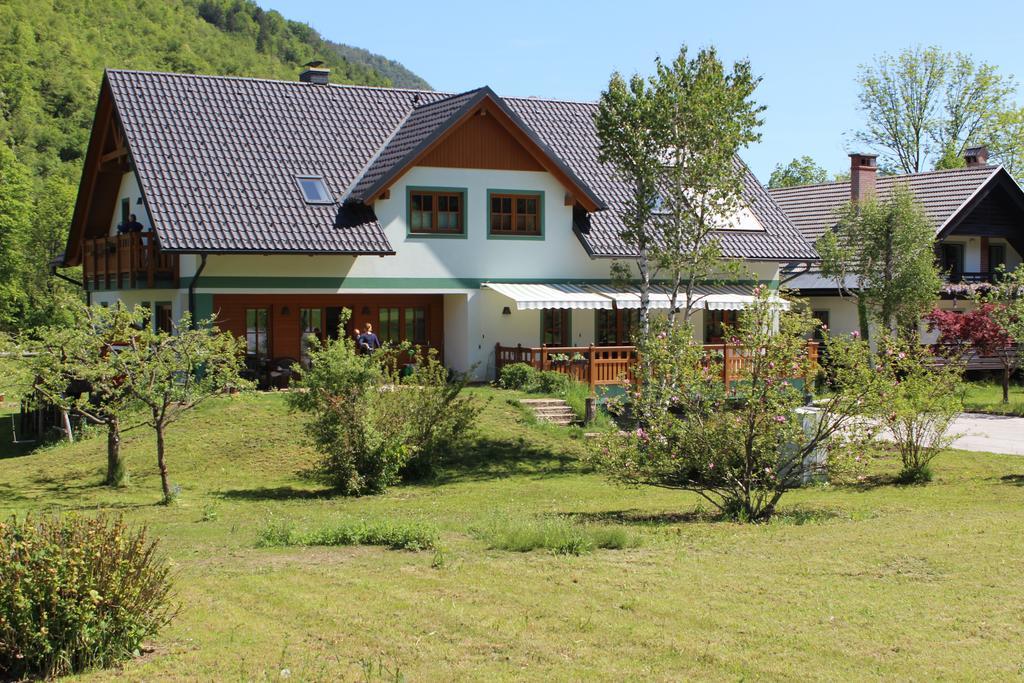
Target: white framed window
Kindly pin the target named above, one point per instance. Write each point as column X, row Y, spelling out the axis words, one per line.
column 313, row 190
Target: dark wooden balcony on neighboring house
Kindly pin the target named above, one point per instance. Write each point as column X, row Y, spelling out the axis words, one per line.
column 129, row 261
column 956, row 278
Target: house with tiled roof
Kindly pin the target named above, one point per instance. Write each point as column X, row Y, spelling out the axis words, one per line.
column 466, row 222
column 977, row 212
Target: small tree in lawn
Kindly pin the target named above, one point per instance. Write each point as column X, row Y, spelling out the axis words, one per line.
column 173, row 373
column 76, row 368
column 882, row 253
column 740, row 447
column 918, row 401
column 975, row 330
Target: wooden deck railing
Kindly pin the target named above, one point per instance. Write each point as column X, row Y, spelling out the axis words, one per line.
column 606, row 365
column 109, row 261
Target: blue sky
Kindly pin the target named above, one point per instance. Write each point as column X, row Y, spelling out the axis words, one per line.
column 806, row 52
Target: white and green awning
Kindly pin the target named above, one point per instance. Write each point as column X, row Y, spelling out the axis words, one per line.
column 540, row 296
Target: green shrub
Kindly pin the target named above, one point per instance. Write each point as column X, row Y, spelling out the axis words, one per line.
column 517, row 376
column 76, row 594
column 559, row 536
column 551, row 382
column 372, row 426
column 391, row 534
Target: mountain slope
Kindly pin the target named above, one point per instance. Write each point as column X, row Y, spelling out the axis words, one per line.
column 52, row 57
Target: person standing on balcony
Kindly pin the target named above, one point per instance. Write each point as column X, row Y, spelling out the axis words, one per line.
column 133, row 225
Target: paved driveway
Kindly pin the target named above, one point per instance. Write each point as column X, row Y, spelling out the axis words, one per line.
column 990, row 433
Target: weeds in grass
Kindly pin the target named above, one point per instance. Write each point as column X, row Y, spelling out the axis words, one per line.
column 388, row 533
column 560, row 536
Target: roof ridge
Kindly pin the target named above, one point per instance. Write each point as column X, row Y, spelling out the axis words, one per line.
column 260, row 79
column 354, row 86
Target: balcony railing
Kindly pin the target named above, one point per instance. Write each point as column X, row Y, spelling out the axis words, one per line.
column 972, row 277
column 608, row 365
column 131, row 260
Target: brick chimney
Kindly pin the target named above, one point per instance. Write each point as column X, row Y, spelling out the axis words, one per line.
column 976, row 156
column 315, row 72
column 863, row 172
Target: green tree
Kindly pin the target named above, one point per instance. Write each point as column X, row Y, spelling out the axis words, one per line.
column 77, row 368
column 170, row 373
column 674, row 137
column 741, row 447
column 626, row 120
column 800, row 171
column 15, row 222
column 882, row 253
column 707, row 115
column 924, row 105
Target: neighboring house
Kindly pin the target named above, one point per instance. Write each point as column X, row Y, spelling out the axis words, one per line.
column 977, row 212
column 455, row 221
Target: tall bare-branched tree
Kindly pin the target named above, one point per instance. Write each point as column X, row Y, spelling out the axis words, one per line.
column 923, row 106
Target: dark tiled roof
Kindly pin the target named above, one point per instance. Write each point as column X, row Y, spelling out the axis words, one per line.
column 568, row 128
column 812, row 208
column 420, row 126
column 217, row 159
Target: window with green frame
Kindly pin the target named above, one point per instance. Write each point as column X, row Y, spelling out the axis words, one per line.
column 515, row 214
column 436, row 212
column 389, row 326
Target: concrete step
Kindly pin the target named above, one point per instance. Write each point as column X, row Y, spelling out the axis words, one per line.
column 553, row 410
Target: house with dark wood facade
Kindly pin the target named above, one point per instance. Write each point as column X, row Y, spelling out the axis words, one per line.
column 483, row 226
column 977, row 212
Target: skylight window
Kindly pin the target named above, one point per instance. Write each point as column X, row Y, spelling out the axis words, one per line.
column 314, row 191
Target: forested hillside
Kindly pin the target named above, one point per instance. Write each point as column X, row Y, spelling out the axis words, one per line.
column 52, row 57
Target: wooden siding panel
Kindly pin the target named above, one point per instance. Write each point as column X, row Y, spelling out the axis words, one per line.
column 481, row 142
column 285, row 317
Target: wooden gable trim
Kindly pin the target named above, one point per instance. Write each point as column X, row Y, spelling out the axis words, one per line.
column 536, row 151
column 481, row 142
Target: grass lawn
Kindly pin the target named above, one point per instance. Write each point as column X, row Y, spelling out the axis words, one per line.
column 987, row 397
column 861, row 582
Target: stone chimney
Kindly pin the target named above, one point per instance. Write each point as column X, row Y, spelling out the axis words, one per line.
column 863, row 172
column 976, row 156
column 315, row 72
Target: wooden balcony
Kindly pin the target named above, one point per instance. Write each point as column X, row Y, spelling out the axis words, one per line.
column 128, row 261
column 610, row 365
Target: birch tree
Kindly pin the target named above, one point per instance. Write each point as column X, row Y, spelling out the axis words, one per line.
column 674, row 138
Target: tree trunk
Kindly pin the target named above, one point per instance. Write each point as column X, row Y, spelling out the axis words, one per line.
column 162, row 463
column 862, row 317
column 117, row 473
column 1006, row 384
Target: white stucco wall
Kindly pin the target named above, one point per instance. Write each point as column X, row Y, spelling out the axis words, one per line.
column 130, row 190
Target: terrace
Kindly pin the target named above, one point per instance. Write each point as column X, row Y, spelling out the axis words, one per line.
column 131, row 260
column 609, row 365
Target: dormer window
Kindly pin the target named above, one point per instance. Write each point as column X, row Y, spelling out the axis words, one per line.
column 313, row 190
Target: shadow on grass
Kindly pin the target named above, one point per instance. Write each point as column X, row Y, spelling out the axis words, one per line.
column 796, row 516
column 1013, row 479
column 500, row 458
column 277, row 493
column 872, row 482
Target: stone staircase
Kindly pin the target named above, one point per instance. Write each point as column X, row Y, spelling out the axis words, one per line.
column 553, row 410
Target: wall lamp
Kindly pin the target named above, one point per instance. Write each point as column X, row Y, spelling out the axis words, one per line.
column 506, row 311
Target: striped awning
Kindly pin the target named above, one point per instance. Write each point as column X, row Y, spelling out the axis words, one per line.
column 536, row 296
column 530, row 296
